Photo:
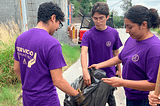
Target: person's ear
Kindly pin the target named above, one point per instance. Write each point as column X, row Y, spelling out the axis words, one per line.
column 53, row 18
column 144, row 24
column 107, row 17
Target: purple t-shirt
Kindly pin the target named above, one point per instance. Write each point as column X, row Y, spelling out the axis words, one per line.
column 101, row 45
column 140, row 61
column 38, row 53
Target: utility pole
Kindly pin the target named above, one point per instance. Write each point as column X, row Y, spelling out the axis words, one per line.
column 23, row 15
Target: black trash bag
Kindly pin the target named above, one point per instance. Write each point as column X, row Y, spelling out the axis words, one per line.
column 97, row 94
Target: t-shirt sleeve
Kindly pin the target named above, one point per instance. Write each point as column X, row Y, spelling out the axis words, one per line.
column 152, row 69
column 55, row 57
column 118, row 42
column 152, row 63
column 119, row 55
column 85, row 39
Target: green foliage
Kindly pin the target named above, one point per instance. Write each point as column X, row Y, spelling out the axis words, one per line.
column 76, row 6
column 9, row 95
column 118, row 21
column 84, row 5
column 7, row 75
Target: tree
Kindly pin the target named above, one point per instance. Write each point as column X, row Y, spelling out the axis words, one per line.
column 115, row 13
column 118, row 21
column 84, row 6
column 126, row 5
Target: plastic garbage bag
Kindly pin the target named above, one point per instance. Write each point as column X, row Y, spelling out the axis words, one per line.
column 97, row 94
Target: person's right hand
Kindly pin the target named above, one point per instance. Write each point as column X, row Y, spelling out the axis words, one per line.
column 96, row 66
column 153, row 99
column 86, row 78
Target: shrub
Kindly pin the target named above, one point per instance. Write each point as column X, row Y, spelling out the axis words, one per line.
column 8, row 35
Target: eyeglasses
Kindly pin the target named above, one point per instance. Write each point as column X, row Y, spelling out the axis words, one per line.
column 96, row 18
column 60, row 25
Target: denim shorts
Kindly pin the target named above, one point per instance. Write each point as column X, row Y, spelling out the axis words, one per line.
column 144, row 102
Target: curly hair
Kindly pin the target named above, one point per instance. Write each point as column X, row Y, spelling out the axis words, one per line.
column 47, row 9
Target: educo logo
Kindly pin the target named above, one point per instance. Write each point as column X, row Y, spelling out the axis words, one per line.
column 108, row 43
column 135, row 58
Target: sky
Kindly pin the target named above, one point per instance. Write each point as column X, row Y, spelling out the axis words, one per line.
column 115, row 5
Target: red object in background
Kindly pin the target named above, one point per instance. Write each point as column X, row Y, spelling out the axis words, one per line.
column 81, row 32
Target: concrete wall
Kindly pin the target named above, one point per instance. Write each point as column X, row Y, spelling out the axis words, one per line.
column 10, row 9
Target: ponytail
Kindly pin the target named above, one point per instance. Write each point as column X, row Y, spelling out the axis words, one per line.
column 154, row 18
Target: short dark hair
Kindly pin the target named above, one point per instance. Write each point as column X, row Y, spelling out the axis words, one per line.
column 47, row 9
column 138, row 14
column 101, row 8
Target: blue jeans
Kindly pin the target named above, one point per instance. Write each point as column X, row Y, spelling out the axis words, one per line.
column 144, row 102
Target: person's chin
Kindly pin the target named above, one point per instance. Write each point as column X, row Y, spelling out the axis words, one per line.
column 98, row 28
column 51, row 33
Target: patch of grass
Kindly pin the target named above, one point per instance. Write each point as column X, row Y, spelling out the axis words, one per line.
column 8, row 35
column 7, row 74
column 71, row 54
column 9, row 95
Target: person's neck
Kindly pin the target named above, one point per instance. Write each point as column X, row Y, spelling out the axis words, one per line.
column 147, row 34
column 102, row 28
column 43, row 26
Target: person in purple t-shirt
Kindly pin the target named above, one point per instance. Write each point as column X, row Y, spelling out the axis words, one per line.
column 140, row 56
column 38, row 60
column 101, row 43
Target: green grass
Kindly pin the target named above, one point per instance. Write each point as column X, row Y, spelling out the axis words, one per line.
column 9, row 95
column 71, row 54
column 7, row 75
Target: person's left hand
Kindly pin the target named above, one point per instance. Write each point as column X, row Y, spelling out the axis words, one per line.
column 113, row 81
column 153, row 99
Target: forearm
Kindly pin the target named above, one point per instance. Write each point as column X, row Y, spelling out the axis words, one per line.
column 142, row 85
column 111, row 62
column 18, row 74
column 84, row 61
column 17, row 69
column 115, row 53
column 63, row 85
column 84, row 53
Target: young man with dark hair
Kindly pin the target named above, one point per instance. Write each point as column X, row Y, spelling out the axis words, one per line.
column 101, row 42
column 38, row 60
